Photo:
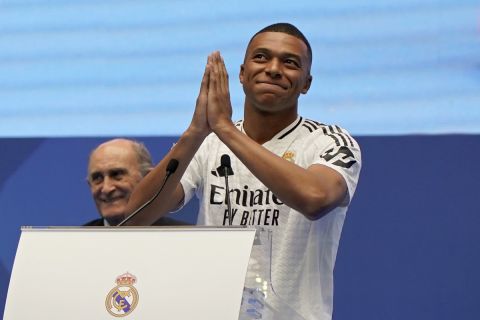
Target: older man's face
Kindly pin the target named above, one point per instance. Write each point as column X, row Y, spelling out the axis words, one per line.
column 113, row 173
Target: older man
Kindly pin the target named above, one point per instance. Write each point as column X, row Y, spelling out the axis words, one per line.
column 115, row 168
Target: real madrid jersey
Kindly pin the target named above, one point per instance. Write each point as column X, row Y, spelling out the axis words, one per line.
column 303, row 251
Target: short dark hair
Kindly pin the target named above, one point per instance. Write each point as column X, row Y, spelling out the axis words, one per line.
column 287, row 28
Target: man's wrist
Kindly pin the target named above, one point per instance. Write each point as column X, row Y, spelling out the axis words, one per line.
column 224, row 129
column 196, row 133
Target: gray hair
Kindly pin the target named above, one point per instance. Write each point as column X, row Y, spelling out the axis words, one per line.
column 144, row 157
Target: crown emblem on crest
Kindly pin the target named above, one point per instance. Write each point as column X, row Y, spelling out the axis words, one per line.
column 126, row 279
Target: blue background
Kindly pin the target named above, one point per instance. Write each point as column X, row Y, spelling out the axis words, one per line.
column 409, row 248
column 402, row 76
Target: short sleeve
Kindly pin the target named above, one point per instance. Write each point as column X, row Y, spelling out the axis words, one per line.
column 340, row 152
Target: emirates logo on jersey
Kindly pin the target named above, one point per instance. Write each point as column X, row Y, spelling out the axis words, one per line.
column 249, row 206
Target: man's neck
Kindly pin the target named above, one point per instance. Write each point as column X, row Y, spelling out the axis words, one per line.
column 262, row 126
column 112, row 221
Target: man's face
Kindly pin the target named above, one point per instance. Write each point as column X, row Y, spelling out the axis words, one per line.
column 113, row 172
column 276, row 71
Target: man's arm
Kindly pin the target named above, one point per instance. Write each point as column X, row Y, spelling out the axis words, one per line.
column 313, row 191
column 183, row 151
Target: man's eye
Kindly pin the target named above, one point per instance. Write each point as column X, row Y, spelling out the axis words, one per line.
column 96, row 178
column 292, row 62
column 259, row 56
column 117, row 175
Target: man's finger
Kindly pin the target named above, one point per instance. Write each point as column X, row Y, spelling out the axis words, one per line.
column 223, row 75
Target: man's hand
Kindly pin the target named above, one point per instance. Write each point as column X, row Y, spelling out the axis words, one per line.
column 218, row 105
column 199, row 124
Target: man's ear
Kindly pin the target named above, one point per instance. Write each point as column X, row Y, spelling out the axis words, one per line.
column 307, row 85
column 240, row 76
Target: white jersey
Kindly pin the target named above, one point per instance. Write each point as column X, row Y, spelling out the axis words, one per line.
column 303, row 251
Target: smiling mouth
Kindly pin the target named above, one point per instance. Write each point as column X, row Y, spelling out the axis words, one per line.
column 111, row 200
column 273, row 84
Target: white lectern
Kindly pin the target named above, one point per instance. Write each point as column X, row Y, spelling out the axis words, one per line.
column 131, row 273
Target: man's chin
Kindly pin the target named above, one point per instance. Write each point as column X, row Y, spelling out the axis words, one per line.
column 113, row 218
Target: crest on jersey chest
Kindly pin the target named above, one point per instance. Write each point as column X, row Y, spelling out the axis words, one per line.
column 289, row 156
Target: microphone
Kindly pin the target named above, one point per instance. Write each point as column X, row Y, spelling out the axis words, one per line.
column 171, row 168
column 226, row 166
column 226, row 170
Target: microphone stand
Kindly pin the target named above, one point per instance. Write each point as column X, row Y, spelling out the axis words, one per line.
column 229, row 204
column 171, row 168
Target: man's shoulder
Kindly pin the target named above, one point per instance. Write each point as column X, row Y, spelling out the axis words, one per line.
column 96, row 222
column 313, row 130
column 167, row 221
column 163, row 221
column 313, row 126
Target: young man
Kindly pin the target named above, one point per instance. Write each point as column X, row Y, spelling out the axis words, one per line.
column 293, row 176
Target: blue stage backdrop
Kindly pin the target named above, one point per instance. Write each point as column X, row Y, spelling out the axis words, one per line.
column 379, row 67
column 409, row 248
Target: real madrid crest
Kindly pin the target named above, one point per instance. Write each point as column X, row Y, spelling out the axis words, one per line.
column 289, row 156
column 122, row 299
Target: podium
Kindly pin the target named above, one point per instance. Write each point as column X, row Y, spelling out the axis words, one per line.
column 87, row 273
column 144, row 273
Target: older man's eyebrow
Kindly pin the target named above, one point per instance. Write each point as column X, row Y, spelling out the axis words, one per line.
column 116, row 170
column 94, row 175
